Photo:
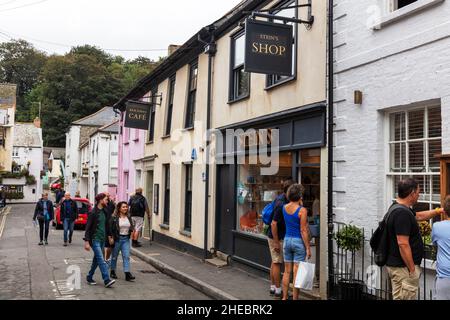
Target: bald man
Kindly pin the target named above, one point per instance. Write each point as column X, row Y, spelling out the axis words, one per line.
column 138, row 208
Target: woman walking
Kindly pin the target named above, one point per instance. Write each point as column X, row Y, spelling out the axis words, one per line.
column 44, row 214
column 121, row 227
column 296, row 241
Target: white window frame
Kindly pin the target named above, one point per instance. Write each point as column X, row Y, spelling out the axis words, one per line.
column 390, row 176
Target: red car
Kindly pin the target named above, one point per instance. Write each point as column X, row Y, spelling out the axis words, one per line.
column 84, row 208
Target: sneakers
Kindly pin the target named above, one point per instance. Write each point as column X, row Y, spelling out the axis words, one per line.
column 41, row 243
column 113, row 274
column 109, row 283
column 91, row 281
column 65, row 244
column 46, row 242
column 70, row 240
column 129, row 276
column 278, row 295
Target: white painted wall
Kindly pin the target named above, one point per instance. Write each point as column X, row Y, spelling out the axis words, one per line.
column 72, row 159
column 400, row 64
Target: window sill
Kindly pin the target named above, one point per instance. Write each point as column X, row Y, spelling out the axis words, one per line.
column 283, row 82
column 164, row 226
column 186, row 233
column 165, row 136
column 149, row 142
column 405, row 12
column 230, row 102
column 126, row 143
column 135, row 140
column 188, row 129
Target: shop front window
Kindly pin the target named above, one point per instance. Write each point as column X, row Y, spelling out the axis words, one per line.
column 255, row 191
column 309, row 177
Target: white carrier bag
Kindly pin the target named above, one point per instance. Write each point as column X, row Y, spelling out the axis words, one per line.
column 305, row 276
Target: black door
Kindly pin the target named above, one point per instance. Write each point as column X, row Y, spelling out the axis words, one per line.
column 225, row 212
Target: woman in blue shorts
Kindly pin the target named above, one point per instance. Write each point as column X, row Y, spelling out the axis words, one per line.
column 296, row 242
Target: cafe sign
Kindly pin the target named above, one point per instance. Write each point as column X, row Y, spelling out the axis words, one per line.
column 268, row 47
column 137, row 115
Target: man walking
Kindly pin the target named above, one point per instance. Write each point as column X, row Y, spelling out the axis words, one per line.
column 44, row 214
column 109, row 210
column 405, row 242
column 138, row 207
column 275, row 236
column 97, row 232
column 68, row 214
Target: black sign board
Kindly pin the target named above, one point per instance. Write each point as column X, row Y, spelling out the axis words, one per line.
column 137, row 115
column 268, row 47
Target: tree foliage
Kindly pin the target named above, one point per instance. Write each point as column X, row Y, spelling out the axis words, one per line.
column 69, row 86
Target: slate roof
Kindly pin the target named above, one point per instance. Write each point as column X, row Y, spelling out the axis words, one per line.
column 98, row 119
column 111, row 127
column 27, row 135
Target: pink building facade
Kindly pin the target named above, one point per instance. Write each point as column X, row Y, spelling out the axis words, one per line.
column 131, row 152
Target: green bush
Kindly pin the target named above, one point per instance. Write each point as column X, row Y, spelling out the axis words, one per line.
column 30, row 180
column 14, row 195
column 349, row 238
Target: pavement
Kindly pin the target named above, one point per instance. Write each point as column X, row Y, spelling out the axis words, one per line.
column 232, row 282
column 54, row 272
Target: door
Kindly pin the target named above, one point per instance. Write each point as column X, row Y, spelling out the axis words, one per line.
column 149, row 195
column 225, row 209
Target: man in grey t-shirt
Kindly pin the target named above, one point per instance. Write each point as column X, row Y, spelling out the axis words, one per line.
column 441, row 238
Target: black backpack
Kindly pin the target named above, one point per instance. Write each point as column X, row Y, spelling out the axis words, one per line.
column 379, row 242
column 137, row 205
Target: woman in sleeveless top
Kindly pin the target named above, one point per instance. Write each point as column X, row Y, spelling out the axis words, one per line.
column 296, row 242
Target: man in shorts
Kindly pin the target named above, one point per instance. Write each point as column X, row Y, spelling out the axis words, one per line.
column 275, row 236
column 138, row 208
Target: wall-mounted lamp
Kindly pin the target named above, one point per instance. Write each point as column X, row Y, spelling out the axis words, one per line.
column 358, row 97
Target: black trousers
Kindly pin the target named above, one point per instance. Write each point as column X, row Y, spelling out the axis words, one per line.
column 43, row 224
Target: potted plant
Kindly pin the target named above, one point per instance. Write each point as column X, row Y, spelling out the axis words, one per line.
column 350, row 238
column 429, row 249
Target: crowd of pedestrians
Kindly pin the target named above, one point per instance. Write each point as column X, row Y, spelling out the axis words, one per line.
column 110, row 230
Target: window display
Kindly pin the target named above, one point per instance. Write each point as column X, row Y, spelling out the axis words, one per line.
column 255, row 191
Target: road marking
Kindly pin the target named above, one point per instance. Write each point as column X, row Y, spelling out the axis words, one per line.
column 63, row 291
column 5, row 213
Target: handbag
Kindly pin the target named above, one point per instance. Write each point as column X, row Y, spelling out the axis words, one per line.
column 305, row 276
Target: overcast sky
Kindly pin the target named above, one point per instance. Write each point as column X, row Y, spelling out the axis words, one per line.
column 55, row 25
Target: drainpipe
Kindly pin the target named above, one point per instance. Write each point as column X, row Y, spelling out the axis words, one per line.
column 211, row 50
column 330, row 144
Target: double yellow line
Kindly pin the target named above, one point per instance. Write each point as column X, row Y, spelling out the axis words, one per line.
column 4, row 214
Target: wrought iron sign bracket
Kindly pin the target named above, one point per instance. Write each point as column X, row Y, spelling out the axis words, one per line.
column 270, row 15
column 158, row 102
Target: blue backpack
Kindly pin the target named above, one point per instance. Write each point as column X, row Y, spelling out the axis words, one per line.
column 267, row 212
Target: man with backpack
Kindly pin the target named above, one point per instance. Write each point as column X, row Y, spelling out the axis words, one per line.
column 275, row 237
column 403, row 250
column 138, row 208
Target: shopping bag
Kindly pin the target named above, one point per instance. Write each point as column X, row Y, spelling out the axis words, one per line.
column 305, row 276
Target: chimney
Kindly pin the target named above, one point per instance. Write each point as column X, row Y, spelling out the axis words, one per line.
column 37, row 122
column 172, row 48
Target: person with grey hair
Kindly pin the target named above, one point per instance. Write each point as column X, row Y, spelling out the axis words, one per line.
column 68, row 214
column 43, row 213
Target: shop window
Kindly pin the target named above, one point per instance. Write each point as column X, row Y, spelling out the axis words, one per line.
column 166, row 170
column 151, row 128
column 309, row 177
column 188, row 197
column 239, row 80
column 414, row 141
column 287, row 13
column 192, row 95
column 255, row 191
column 170, row 99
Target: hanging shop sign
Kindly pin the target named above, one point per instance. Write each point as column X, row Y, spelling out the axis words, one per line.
column 268, row 47
column 137, row 115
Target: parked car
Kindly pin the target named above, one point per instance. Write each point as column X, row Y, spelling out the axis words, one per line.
column 84, row 208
